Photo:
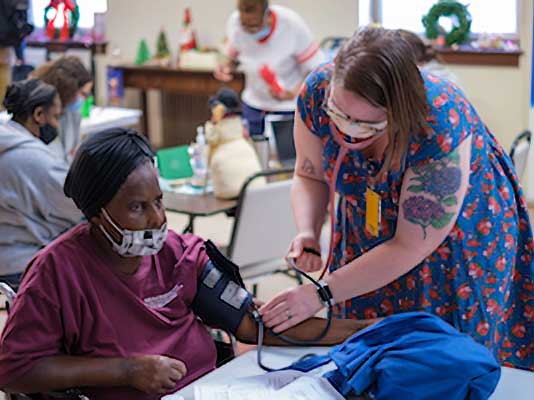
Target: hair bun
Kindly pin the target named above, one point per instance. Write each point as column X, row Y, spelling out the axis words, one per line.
column 14, row 98
column 22, row 97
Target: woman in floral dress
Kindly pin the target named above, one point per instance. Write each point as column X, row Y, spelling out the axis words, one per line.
column 429, row 214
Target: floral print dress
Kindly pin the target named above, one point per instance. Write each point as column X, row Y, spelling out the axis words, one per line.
column 481, row 278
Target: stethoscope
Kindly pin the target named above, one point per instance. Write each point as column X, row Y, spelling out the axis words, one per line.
column 262, row 328
column 345, row 147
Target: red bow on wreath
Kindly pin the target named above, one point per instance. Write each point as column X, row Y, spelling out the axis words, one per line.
column 68, row 8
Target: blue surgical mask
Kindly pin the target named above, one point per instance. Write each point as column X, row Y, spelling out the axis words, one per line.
column 260, row 35
column 76, row 105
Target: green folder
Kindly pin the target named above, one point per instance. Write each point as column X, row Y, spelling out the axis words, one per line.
column 173, row 163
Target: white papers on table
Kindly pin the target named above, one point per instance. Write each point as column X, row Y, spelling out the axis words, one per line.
column 285, row 385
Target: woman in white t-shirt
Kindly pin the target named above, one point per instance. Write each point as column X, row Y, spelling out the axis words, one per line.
column 276, row 50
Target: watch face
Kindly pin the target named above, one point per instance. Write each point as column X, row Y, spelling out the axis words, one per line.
column 325, row 294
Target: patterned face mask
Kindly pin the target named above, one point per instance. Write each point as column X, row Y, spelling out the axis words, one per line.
column 145, row 242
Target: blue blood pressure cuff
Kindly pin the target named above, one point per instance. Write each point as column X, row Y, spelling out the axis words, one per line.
column 221, row 300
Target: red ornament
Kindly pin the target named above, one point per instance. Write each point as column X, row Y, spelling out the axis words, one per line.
column 188, row 37
column 69, row 8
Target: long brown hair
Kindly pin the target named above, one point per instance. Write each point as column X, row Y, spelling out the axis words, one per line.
column 66, row 74
column 423, row 50
column 378, row 65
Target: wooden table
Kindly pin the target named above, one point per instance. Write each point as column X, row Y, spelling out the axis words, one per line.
column 196, row 206
column 60, row 46
column 187, row 107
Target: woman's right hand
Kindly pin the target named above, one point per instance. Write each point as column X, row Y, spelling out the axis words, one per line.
column 154, row 374
column 305, row 260
column 223, row 73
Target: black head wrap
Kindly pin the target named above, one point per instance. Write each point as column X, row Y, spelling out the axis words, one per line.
column 101, row 166
column 23, row 97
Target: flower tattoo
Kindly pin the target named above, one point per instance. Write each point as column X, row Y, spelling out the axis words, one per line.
column 434, row 186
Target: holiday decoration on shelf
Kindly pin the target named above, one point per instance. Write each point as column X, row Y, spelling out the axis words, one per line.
column 495, row 42
column 143, row 53
column 162, row 49
column 61, row 19
column 460, row 17
column 188, row 37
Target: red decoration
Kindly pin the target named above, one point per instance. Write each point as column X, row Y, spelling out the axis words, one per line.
column 69, row 8
column 187, row 17
column 188, row 37
column 270, row 78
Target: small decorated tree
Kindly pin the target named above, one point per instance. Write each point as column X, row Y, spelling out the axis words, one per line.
column 143, row 53
column 162, row 46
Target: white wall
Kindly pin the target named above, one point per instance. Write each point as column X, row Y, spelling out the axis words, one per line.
column 500, row 94
column 129, row 21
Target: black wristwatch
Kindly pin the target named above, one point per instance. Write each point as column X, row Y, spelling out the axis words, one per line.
column 325, row 294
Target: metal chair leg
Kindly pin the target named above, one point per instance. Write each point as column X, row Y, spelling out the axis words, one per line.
column 190, row 228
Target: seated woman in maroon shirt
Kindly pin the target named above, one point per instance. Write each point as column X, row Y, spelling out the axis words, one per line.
column 104, row 308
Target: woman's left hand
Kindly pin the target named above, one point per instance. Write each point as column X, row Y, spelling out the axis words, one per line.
column 291, row 307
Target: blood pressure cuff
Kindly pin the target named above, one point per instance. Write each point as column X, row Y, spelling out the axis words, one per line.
column 221, row 300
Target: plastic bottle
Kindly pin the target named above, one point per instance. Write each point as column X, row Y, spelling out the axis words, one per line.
column 198, row 153
column 87, row 106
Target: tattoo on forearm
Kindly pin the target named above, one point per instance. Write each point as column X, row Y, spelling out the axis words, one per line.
column 307, row 167
column 434, row 187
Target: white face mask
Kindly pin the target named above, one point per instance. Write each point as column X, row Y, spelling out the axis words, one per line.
column 145, row 242
column 356, row 130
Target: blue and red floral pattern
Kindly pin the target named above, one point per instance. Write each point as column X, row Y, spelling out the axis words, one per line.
column 481, row 278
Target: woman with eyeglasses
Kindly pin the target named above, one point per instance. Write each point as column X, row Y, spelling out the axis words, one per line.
column 427, row 209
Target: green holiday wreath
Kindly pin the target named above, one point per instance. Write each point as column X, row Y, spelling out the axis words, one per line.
column 448, row 8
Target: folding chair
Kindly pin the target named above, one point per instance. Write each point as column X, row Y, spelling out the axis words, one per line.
column 519, row 152
column 263, row 227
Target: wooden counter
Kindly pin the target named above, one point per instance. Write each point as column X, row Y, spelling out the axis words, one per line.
column 185, row 96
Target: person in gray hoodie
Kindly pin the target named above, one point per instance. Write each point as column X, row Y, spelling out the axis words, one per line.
column 33, row 208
